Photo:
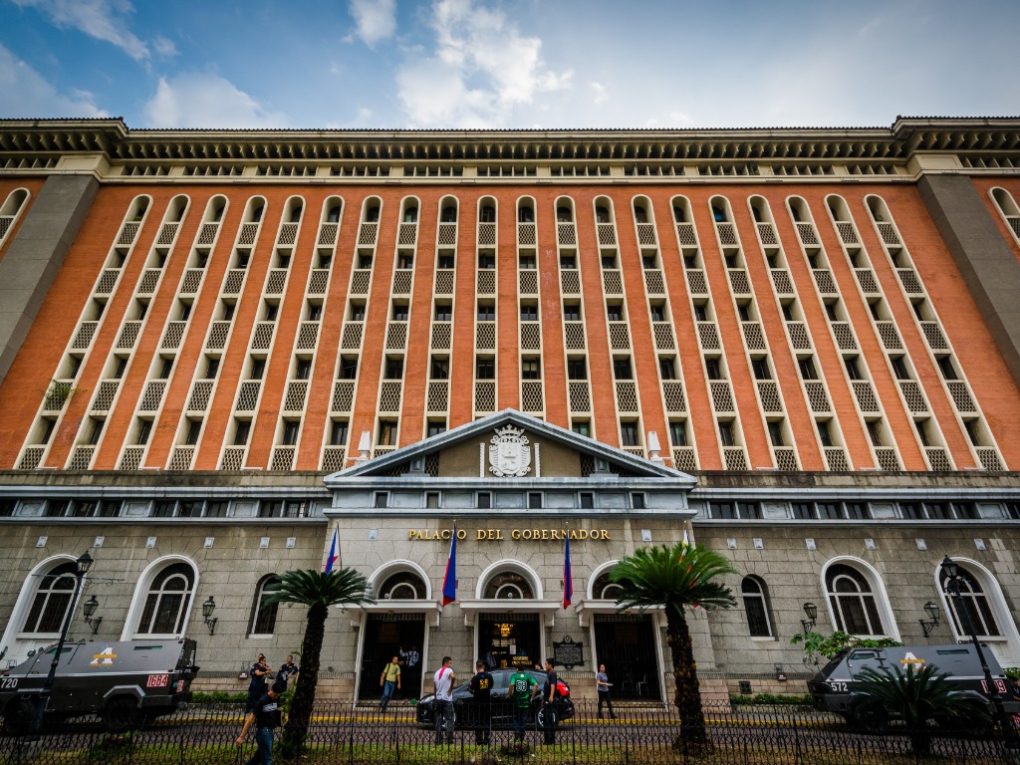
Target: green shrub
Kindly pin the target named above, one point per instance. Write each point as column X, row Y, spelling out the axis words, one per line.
column 218, row 697
column 1013, row 673
column 798, row 700
column 816, row 644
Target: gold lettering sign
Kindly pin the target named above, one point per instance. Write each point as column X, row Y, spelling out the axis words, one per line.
column 517, row 535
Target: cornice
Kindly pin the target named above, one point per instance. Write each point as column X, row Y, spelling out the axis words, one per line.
column 691, row 153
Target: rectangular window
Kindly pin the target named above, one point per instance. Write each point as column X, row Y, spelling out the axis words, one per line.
column 761, row 368
column 435, row 427
column 241, row 431
column 807, row 368
column 440, row 368
column 483, row 500
column 938, row 511
column 348, row 368
column 164, row 508
column 290, row 433
column 381, row 499
column 803, row 511
column 749, row 511
column 678, row 433
column 193, row 432
column 529, row 312
column 629, row 434
column 966, row 511
column 776, row 434
column 338, row 433
column 726, row 433
column 258, row 368
column 57, row 508
column 190, row 508
column 271, row 509
column 910, row 511
column 356, row 311
column 587, row 500
column 109, row 508
column 577, row 369
column 621, row 369
column 534, row 500
column 581, row 427
column 303, row 369
column 856, row 511
column 722, row 510
column 143, row 432
column 531, row 369
column 216, row 508
column 824, row 433
column 829, row 511
column 387, row 432
column 485, row 369
column 432, row 500
column 444, row 312
column 486, row 312
column 638, row 500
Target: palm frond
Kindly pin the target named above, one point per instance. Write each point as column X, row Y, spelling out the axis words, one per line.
column 675, row 577
column 309, row 587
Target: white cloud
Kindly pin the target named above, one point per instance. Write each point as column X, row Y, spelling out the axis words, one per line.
column 482, row 69
column 26, row 93
column 102, row 19
column 376, row 19
column 164, row 47
column 599, row 92
column 195, row 100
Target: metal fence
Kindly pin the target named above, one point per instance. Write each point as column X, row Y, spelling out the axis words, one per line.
column 344, row 733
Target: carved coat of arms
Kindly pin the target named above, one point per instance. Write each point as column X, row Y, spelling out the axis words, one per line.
column 509, row 453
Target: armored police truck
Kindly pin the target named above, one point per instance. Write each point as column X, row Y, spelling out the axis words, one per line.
column 834, row 687
column 125, row 682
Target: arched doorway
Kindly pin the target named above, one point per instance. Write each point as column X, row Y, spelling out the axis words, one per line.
column 510, row 637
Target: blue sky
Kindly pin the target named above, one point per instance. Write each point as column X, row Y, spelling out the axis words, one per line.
column 507, row 63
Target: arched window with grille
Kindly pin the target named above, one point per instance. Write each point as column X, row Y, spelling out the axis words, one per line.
column 969, row 607
column 852, row 601
column 508, row 586
column 403, row 585
column 167, row 601
column 755, row 595
column 263, row 617
column 603, row 588
column 52, row 601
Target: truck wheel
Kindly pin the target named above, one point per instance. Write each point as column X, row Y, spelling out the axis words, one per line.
column 18, row 717
column 121, row 714
column 868, row 719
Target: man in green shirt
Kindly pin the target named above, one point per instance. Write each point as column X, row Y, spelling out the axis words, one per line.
column 523, row 687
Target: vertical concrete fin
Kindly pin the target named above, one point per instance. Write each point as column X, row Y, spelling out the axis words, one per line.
column 34, row 258
column 989, row 267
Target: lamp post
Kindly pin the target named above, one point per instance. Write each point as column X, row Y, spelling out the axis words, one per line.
column 207, row 614
column 88, row 610
column 953, row 578
column 933, row 618
column 82, row 566
column 811, row 612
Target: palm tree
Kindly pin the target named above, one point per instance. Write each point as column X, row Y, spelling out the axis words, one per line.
column 678, row 577
column 318, row 591
column 920, row 698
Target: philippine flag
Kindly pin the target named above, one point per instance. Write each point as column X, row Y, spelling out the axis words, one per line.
column 334, row 553
column 568, row 581
column 450, row 580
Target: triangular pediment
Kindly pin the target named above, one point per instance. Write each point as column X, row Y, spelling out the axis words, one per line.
column 509, row 445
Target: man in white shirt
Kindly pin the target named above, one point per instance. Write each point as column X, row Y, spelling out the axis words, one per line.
column 443, row 682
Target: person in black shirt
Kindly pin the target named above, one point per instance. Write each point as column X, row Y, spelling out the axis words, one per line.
column 259, row 674
column 549, row 702
column 481, row 688
column 288, row 669
column 265, row 716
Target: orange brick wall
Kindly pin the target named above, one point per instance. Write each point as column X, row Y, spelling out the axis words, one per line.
column 23, row 390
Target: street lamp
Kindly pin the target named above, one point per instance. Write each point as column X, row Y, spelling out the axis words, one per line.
column 207, row 614
column 88, row 610
column 82, row 566
column 933, row 618
column 952, row 579
column 811, row 612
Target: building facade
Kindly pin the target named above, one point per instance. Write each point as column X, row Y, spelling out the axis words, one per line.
column 219, row 349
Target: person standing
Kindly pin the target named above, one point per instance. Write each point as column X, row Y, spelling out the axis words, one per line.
column 549, row 702
column 288, row 669
column 603, row 686
column 258, row 683
column 481, row 689
column 389, row 680
column 265, row 716
column 443, row 685
column 522, row 690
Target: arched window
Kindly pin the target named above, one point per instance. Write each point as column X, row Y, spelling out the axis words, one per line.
column 604, row 588
column 167, row 601
column 852, row 601
column 52, row 600
column 508, row 586
column 403, row 585
column 263, row 618
column 756, row 607
column 970, row 607
column 564, row 214
column 487, row 213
